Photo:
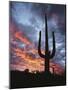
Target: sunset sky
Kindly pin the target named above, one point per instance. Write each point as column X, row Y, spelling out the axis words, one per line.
column 26, row 20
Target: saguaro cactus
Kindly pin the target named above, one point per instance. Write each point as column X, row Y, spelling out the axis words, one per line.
column 48, row 54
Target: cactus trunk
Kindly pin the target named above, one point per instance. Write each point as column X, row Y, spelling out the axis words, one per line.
column 46, row 47
column 47, row 65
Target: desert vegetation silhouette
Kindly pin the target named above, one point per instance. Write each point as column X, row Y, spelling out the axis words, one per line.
column 48, row 55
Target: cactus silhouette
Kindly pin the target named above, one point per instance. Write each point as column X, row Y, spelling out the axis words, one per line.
column 48, row 54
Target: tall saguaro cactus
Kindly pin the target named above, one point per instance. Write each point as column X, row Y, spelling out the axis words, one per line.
column 48, row 54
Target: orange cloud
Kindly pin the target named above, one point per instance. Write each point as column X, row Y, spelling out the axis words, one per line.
column 34, row 64
column 22, row 38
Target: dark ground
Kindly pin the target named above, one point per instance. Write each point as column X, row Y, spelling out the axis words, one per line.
column 26, row 80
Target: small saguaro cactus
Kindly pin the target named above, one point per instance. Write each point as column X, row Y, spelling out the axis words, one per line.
column 48, row 54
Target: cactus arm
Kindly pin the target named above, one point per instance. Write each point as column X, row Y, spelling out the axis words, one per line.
column 54, row 48
column 39, row 46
